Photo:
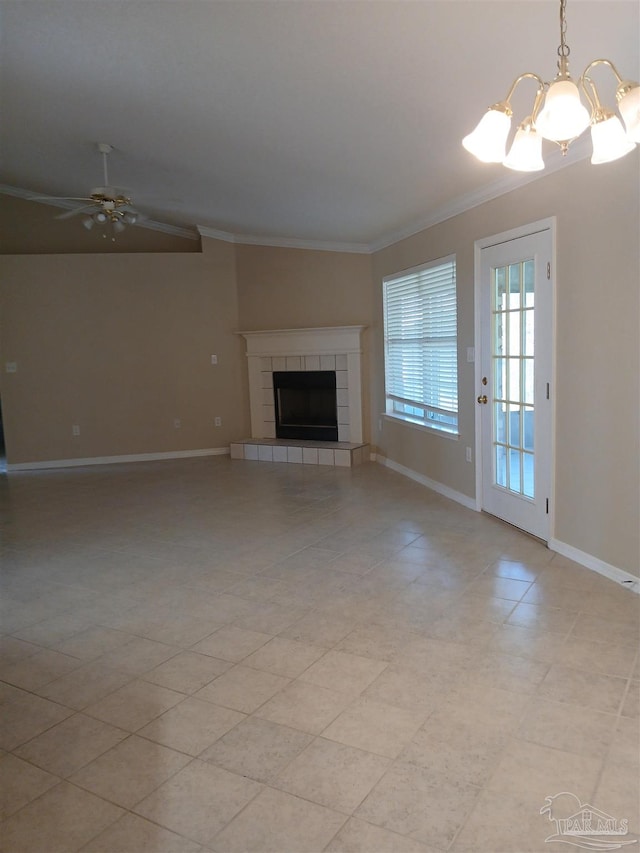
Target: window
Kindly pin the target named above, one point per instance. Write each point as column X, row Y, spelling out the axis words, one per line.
column 420, row 345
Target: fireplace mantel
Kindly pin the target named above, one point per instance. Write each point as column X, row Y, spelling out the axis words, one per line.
column 330, row 347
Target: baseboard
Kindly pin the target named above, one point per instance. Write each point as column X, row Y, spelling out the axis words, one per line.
column 434, row 485
column 620, row 576
column 113, row 460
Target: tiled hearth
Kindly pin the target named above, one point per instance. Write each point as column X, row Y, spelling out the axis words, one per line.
column 340, row 453
column 336, row 348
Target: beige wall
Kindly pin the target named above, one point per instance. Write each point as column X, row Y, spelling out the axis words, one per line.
column 597, row 445
column 120, row 345
column 282, row 288
column 299, row 288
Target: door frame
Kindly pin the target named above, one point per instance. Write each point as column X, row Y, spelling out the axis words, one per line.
column 548, row 224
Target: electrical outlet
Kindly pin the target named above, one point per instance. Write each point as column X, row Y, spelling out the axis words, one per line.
column 468, row 454
column 177, row 423
column 218, row 422
column 11, row 367
column 214, row 359
column 75, row 429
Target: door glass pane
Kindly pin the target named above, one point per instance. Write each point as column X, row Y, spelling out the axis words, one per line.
column 514, row 426
column 528, row 474
column 513, row 366
column 513, row 321
column 528, row 332
column 500, row 378
column 529, row 282
column 512, row 350
column 515, row 273
column 528, row 428
column 500, row 421
column 527, row 388
column 514, row 470
column 500, row 288
column 501, row 465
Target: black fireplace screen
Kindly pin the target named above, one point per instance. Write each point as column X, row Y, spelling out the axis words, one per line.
column 305, row 403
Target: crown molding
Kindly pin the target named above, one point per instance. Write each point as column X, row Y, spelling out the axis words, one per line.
column 283, row 242
column 505, row 184
column 508, row 182
column 149, row 224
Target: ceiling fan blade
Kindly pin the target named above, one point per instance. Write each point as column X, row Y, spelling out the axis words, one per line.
column 75, row 211
column 58, row 198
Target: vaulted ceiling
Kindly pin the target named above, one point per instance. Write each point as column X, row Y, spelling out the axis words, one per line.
column 321, row 120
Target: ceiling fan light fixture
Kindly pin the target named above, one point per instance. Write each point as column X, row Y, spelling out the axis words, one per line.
column 130, row 217
column 118, row 226
column 100, row 218
column 562, row 117
column 88, row 222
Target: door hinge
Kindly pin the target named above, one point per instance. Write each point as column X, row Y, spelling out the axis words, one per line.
column 548, row 270
column 547, row 507
column 547, row 390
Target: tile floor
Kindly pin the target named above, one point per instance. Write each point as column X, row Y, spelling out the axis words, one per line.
column 240, row 656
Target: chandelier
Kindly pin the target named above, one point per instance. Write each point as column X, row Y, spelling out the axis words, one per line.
column 559, row 115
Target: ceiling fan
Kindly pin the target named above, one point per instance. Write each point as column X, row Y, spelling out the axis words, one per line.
column 107, row 205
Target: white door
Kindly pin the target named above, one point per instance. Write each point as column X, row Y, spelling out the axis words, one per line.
column 514, row 392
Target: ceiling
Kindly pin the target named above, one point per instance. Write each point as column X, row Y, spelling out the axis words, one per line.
column 328, row 121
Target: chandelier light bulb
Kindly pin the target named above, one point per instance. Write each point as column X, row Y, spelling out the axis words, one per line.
column 563, row 116
column 488, row 141
column 525, row 154
column 629, row 106
column 609, row 140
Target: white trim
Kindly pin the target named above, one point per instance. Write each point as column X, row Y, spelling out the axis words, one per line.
column 526, row 230
column 440, row 488
column 215, row 234
column 149, row 224
column 294, row 243
column 431, row 430
column 114, row 460
column 284, row 242
column 620, row 576
column 505, row 184
column 322, row 340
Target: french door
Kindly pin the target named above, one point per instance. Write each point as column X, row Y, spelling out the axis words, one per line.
column 514, row 391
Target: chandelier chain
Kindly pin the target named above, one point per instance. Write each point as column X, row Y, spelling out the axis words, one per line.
column 563, row 49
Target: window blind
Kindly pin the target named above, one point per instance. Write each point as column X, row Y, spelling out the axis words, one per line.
column 421, row 352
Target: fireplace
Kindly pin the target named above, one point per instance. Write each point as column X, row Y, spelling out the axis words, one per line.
column 306, row 404
column 336, row 349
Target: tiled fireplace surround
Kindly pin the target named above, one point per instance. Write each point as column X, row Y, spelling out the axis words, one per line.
column 336, row 348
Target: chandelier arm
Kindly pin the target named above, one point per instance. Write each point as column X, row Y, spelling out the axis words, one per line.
column 527, row 74
column 606, row 62
column 594, row 100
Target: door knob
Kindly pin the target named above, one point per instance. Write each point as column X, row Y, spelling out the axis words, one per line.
column 482, row 398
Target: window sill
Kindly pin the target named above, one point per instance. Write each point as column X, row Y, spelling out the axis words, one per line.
column 452, row 436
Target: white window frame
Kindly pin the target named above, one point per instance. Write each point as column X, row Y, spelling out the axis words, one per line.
column 425, row 298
